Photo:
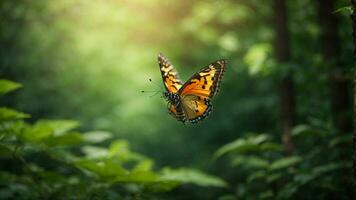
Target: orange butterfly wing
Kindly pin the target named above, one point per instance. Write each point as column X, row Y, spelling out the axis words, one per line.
column 199, row 89
column 196, row 108
column 205, row 83
column 170, row 75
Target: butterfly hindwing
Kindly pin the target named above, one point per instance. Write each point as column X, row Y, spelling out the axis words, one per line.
column 205, row 83
column 196, row 108
column 170, row 75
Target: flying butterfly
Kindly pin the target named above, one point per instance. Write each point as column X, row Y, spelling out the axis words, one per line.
column 191, row 101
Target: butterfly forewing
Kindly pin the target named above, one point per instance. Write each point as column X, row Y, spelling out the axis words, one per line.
column 170, row 75
column 206, row 82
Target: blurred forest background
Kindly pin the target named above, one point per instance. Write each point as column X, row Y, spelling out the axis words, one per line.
column 281, row 126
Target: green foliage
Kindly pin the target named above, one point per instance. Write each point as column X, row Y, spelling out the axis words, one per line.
column 251, row 162
column 193, row 177
column 80, row 160
column 261, row 169
column 97, row 136
column 52, row 133
column 258, row 59
column 252, row 143
column 8, row 86
column 7, row 114
column 343, row 9
column 285, row 162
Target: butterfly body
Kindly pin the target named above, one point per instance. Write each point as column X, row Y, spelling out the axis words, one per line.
column 174, row 102
column 173, row 98
column 191, row 101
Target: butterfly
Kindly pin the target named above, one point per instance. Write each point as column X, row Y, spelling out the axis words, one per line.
column 191, row 101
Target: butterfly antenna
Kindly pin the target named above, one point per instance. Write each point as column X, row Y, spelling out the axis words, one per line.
column 154, row 94
column 149, row 79
column 147, row 91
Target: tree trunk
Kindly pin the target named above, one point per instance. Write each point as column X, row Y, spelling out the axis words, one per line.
column 286, row 90
column 353, row 18
column 338, row 86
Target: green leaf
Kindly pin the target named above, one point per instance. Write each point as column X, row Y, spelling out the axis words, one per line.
column 257, row 57
column 249, row 144
column 68, row 139
column 305, row 130
column 144, row 165
column 138, row 177
column 62, row 154
column 93, row 152
column 317, row 171
column 261, row 174
column 120, row 149
column 106, row 170
column 285, row 162
column 8, row 86
column 11, row 128
column 344, row 9
column 271, row 146
column 192, row 176
column 97, row 136
column 36, row 133
column 59, row 127
column 250, row 162
column 239, row 145
column 111, row 171
column 48, row 131
column 7, row 114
